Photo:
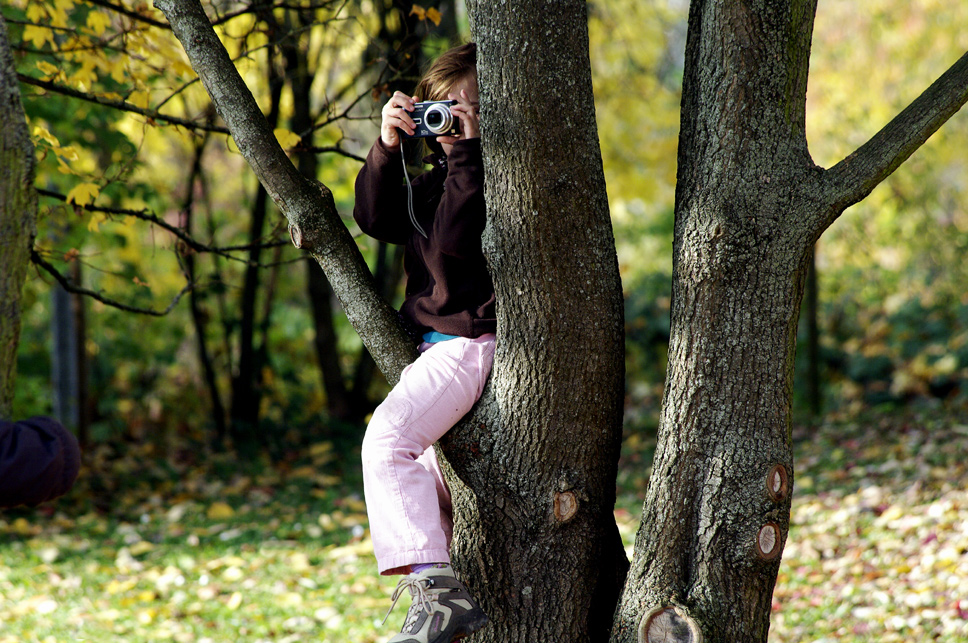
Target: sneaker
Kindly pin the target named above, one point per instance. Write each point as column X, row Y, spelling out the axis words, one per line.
column 442, row 610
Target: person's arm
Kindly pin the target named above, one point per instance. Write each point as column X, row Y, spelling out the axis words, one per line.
column 381, row 196
column 39, row 461
column 461, row 215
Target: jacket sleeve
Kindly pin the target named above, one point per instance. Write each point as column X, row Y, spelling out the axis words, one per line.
column 39, row 460
column 381, row 197
column 461, row 215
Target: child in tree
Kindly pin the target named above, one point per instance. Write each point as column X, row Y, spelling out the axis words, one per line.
column 449, row 302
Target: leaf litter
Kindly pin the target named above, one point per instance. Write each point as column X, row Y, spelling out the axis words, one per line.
column 207, row 550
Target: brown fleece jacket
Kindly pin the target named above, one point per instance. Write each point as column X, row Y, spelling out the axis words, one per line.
column 449, row 289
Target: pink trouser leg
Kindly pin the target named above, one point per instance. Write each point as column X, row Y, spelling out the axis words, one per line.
column 407, row 500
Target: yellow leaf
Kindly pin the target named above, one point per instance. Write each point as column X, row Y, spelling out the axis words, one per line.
column 118, row 67
column 139, row 99
column 47, row 69
column 418, row 11
column 68, row 153
column 98, row 22
column 41, row 132
column 286, row 138
column 219, row 511
column 234, row 601
column 36, row 12
column 141, row 547
column 96, row 220
column 38, row 35
column 433, row 16
column 83, row 193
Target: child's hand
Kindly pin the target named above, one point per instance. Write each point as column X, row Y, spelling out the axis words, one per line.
column 470, row 118
column 396, row 117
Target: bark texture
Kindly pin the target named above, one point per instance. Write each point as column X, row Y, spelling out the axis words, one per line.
column 536, row 536
column 750, row 203
column 18, row 216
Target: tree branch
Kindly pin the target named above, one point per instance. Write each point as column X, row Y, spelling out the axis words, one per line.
column 121, row 105
column 134, row 15
column 71, row 287
column 189, row 241
column 851, row 180
column 314, row 223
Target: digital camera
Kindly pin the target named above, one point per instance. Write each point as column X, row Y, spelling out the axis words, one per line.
column 433, row 118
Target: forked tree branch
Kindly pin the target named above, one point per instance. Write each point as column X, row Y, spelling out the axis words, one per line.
column 314, row 223
column 851, row 180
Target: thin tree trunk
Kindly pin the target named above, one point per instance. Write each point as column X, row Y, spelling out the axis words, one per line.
column 199, row 318
column 18, row 216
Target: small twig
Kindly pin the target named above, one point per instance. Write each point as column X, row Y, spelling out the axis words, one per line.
column 71, row 287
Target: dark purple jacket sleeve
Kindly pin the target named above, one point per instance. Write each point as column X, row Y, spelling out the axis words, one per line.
column 460, row 218
column 39, row 460
column 381, row 197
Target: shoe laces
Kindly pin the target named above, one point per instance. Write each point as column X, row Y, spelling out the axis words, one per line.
column 418, row 587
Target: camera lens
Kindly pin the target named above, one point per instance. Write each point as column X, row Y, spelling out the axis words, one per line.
column 438, row 118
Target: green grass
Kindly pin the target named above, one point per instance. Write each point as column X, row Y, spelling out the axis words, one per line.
column 208, row 550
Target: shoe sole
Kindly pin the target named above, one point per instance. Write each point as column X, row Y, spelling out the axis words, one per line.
column 477, row 620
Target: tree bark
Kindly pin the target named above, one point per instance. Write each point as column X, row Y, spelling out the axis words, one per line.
column 750, row 204
column 18, row 216
column 536, row 535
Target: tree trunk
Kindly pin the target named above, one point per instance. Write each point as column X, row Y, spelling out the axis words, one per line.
column 536, row 535
column 536, row 460
column 18, row 216
column 750, row 204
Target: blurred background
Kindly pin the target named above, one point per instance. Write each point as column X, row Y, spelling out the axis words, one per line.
column 221, row 395
column 137, row 204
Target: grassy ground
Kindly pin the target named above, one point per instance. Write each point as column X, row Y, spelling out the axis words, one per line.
column 148, row 548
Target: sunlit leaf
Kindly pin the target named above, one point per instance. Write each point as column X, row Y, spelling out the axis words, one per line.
column 98, row 21
column 37, row 35
column 83, row 193
column 219, row 511
column 286, row 138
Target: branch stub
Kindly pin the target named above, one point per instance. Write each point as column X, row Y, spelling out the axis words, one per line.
column 768, row 541
column 778, row 483
column 566, row 506
column 669, row 624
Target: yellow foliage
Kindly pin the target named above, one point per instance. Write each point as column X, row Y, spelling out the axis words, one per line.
column 83, row 193
column 98, row 21
column 41, row 132
column 96, row 220
column 38, row 36
column 287, row 139
column 219, row 511
column 48, row 70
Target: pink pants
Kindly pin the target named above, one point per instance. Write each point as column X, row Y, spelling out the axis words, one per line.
column 407, row 499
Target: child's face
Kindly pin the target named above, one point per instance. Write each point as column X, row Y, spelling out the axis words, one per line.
column 467, row 109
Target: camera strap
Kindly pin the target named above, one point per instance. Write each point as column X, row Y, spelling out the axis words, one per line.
column 406, row 177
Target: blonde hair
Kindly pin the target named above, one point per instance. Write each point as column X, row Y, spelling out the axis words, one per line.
column 447, row 71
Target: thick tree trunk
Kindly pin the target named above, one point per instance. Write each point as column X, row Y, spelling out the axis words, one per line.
column 717, row 511
column 536, row 536
column 18, row 216
column 750, row 204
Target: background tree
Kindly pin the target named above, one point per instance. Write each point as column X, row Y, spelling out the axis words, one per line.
column 18, row 213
